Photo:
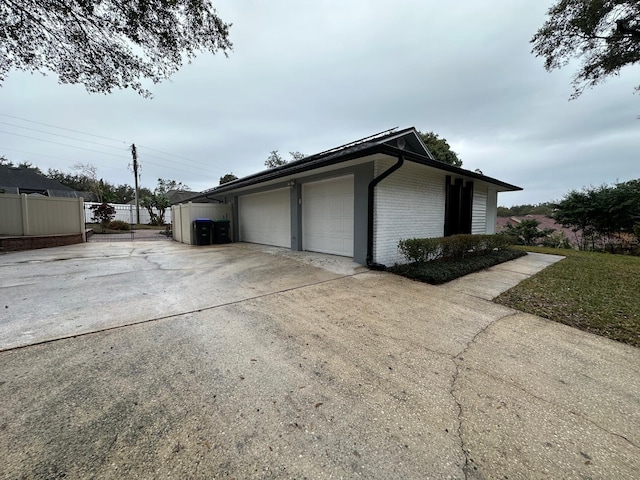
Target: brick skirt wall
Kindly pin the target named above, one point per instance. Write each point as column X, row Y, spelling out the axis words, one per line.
column 15, row 244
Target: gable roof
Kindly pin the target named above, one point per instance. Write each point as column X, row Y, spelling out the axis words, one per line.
column 406, row 142
column 14, row 179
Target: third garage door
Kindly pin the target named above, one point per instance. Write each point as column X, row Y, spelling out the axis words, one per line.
column 327, row 216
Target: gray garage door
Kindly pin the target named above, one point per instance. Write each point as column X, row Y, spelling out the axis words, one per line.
column 327, row 216
column 266, row 218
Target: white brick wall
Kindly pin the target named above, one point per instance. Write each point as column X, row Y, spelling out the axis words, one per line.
column 408, row 204
column 479, row 211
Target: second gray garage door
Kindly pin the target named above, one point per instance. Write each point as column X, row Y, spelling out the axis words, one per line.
column 327, row 216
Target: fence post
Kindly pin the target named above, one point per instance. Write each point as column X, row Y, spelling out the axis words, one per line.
column 81, row 217
column 191, row 219
column 173, row 222
column 25, row 214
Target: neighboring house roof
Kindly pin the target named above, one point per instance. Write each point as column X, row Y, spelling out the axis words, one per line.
column 179, row 196
column 22, row 180
column 88, row 196
column 545, row 222
column 391, row 142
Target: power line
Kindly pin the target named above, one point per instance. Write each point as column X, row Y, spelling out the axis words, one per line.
column 36, row 154
column 58, row 143
column 62, row 128
column 78, row 139
column 104, row 138
column 178, row 156
column 60, row 135
column 95, row 151
column 46, row 156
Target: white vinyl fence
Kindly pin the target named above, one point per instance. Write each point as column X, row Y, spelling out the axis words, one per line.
column 34, row 215
column 184, row 214
column 126, row 213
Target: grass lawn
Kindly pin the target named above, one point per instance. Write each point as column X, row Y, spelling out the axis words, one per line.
column 595, row 292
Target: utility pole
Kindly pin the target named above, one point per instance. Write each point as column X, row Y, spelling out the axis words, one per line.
column 134, row 154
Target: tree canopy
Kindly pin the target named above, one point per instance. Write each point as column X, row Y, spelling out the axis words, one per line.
column 440, row 149
column 229, row 177
column 25, row 165
column 165, row 185
column 158, row 202
column 275, row 159
column 604, row 34
column 601, row 213
column 107, row 44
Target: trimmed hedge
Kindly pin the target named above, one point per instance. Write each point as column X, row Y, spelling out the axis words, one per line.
column 444, row 270
column 422, row 250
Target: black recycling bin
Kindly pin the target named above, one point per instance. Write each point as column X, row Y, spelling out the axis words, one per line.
column 221, row 231
column 203, row 231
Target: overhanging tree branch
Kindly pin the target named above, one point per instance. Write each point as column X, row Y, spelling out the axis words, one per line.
column 605, row 34
column 92, row 42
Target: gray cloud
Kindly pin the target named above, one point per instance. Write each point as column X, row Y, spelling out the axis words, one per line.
column 310, row 76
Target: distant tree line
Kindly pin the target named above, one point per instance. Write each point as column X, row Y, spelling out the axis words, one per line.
column 526, row 209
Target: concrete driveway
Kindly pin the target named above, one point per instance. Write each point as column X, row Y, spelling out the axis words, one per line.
column 161, row 360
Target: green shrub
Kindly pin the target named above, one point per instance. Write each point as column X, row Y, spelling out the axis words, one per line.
column 459, row 246
column 498, row 242
column 444, row 270
column 421, row 250
column 119, row 225
column 103, row 213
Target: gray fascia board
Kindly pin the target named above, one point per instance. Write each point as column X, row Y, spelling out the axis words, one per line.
column 339, row 157
column 449, row 168
column 289, row 169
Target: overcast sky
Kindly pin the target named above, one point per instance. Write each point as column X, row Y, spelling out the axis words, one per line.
column 309, row 76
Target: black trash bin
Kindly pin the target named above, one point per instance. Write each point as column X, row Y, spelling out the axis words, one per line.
column 221, row 231
column 203, row 231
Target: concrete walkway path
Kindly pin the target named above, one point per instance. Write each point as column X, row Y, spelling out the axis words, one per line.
column 343, row 373
column 488, row 284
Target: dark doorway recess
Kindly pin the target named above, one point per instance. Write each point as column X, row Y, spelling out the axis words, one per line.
column 458, row 206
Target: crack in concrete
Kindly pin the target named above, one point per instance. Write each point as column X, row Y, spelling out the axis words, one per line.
column 557, row 405
column 467, row 468
column 600, row 427
column 452, row 392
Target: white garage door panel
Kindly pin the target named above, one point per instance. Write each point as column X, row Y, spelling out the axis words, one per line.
column 327, row 216
column 266, row 218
